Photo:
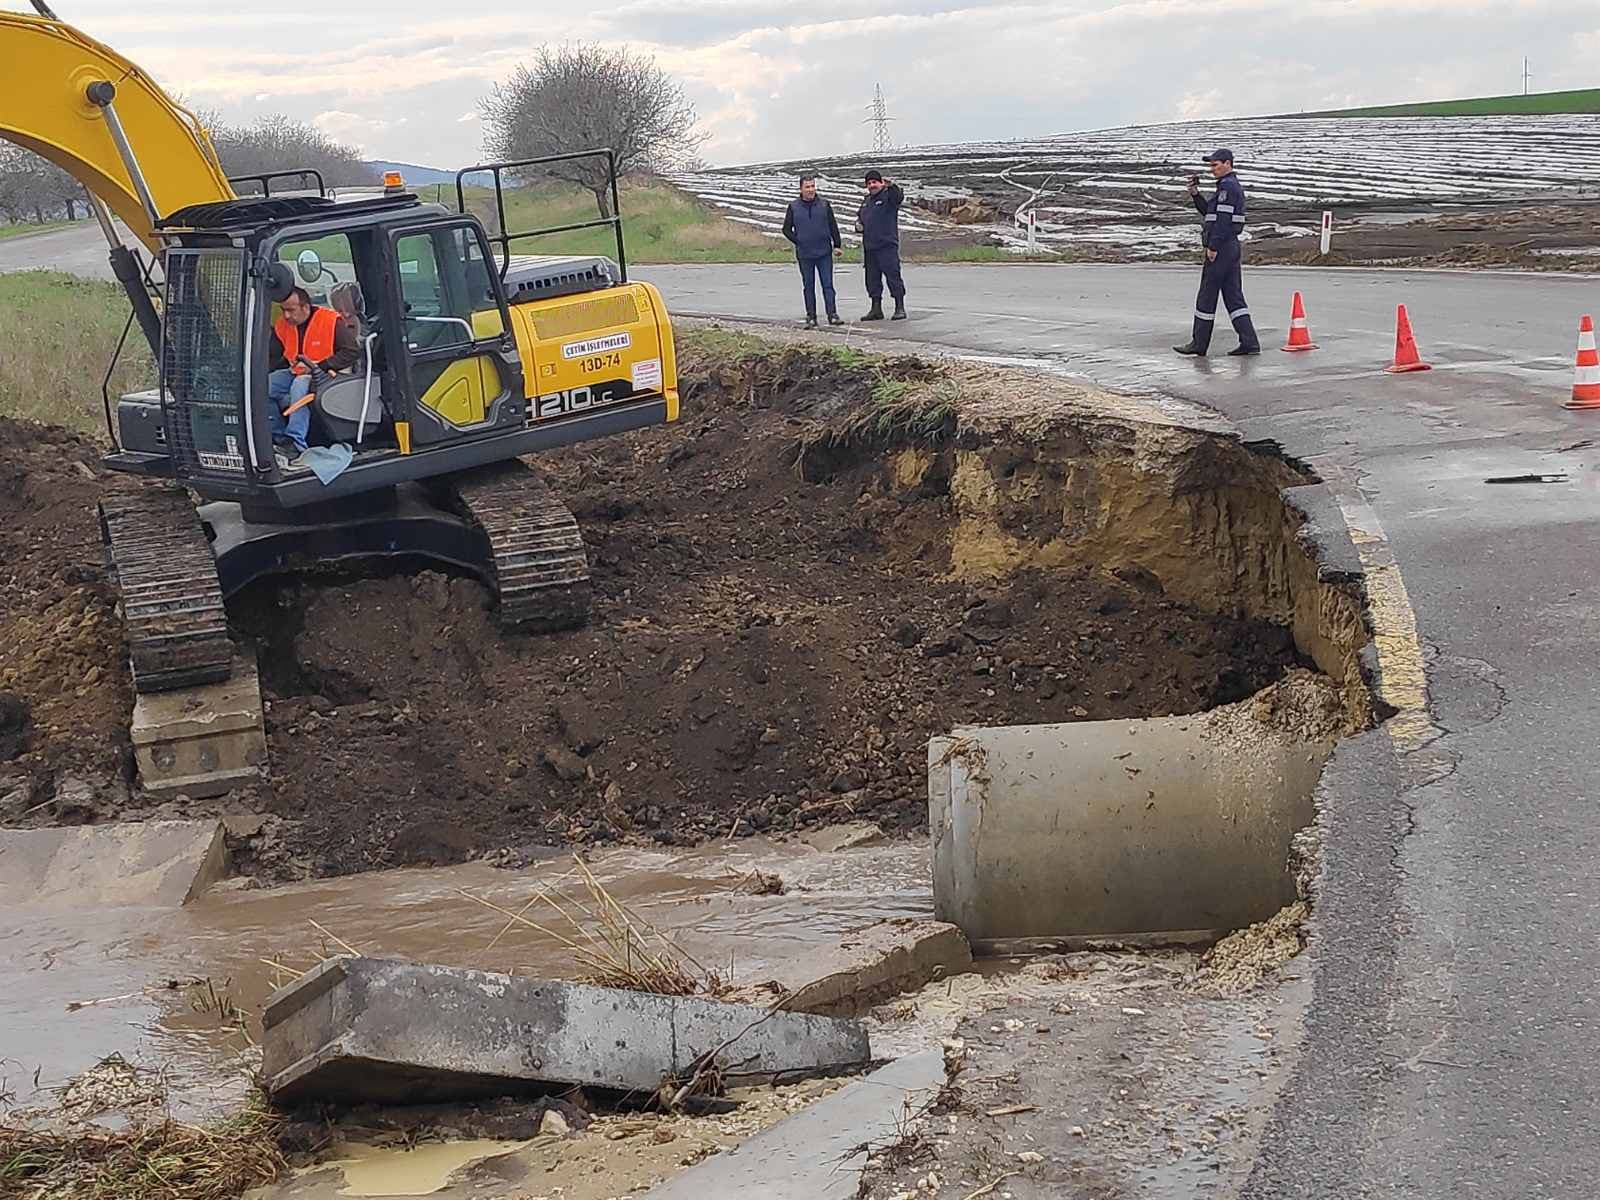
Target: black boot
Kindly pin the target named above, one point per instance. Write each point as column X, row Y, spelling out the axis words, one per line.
column 1249, row 343
column 899, row 311
column 875, row 313
column 1199, row 343
column 835, row 319
column 811, row 320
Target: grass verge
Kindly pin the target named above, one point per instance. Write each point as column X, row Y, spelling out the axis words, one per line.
column 27, row 227
column 661, row 224
column 68, row 329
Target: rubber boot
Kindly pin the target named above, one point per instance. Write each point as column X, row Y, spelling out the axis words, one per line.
column 1249, row 343
column 1200, row 343
column 899, row 311
column 875, row 313
column 835, row 319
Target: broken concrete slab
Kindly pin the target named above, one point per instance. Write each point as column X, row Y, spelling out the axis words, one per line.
column 201, row 741
column 872, row 964
column 819, row 1153
column 372, row 1030
column 138, row 864
column 1178, row 824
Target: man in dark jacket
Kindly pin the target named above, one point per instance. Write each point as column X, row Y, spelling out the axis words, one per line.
column 879, row 224
column 1223, row 218
column 810, row 225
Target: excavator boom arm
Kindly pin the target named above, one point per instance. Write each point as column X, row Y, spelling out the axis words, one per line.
column 45, row 107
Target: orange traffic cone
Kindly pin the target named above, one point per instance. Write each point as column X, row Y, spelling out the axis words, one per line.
column 1586, row 377
column 1406, row 357
column 1299, row 331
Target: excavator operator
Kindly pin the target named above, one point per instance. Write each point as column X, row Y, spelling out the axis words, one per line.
column 311, row 341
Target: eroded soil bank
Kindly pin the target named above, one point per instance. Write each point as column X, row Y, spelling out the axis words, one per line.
column 827, row 560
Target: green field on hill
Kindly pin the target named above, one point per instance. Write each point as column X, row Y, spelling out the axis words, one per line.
column 1586, row 100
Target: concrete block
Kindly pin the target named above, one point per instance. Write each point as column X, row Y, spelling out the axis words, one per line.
column 201, row 741
column 819, row 1153
column 140, row 864
column 872, row 964
column 370, row 1030
column 1117, row 827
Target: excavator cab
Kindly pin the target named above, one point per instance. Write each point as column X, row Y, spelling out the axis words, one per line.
column 466, row 356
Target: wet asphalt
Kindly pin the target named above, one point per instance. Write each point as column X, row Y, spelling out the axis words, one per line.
column 1452, row 1047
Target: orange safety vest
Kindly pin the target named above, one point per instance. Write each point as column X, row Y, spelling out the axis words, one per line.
column 318, row 332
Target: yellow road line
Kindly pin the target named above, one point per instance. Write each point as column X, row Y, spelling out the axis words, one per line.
column 1402, row 675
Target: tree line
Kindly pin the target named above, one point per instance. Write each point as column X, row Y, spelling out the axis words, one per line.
column 567, row 98
column 34, row 190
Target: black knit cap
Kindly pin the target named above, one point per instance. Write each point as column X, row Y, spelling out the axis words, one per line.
column 874, row 176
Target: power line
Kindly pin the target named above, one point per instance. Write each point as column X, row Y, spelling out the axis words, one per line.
column 879, row 118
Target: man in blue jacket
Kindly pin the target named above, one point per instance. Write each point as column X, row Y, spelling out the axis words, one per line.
column 879, row 224
column 810, row 225
column 1224, row 222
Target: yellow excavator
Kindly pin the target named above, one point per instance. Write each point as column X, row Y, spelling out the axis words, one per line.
column 470, row 357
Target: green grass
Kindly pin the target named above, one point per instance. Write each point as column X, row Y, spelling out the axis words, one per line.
column 1586, row 100
column 27, row 227
column 65, row 329
column 660, row 225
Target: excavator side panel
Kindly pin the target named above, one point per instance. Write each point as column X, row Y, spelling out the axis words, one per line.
column 43, row 108
column 596, row 350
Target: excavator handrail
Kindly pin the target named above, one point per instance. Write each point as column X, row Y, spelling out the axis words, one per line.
column 45, row 108
column 503, row 238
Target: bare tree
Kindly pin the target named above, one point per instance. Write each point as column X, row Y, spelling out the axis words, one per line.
column 279, row 143
column 586, row 97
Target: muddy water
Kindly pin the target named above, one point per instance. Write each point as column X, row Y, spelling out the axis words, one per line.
column 81, row 985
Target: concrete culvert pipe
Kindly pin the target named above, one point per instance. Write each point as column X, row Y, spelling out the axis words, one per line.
column 1167, row 825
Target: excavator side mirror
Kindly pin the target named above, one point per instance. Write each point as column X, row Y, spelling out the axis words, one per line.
column 309, row 265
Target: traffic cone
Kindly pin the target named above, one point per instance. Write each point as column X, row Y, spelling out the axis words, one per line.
column 1406, row 357
column 1586, row 376
column 1299, row 331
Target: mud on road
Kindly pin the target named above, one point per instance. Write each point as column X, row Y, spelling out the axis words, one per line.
column 775, row 635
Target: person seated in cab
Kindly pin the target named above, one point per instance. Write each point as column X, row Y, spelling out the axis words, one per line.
column 345, row 299
column 306, row 336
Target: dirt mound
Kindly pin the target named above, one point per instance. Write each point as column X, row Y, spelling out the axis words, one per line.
column 61, row 660
column 770, row 648
column 765, row 652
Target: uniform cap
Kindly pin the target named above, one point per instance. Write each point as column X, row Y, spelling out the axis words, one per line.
column 1222, row 155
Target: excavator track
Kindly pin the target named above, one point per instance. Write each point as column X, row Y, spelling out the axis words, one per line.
column 539, row 566
column 171, row 600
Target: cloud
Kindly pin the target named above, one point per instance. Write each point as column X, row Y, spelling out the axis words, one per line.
column 777, row 81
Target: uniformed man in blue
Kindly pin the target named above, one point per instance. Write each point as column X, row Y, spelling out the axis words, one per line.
column 878, row 222
column 1224, row 222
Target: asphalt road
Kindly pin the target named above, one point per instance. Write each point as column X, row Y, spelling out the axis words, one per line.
column 1452, row 1043
column 1452, row 1047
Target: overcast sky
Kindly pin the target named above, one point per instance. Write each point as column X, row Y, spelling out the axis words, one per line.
column 780, row 79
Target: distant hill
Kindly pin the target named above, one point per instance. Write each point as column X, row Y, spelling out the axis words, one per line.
column 420, row 176
column 1586, row 100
